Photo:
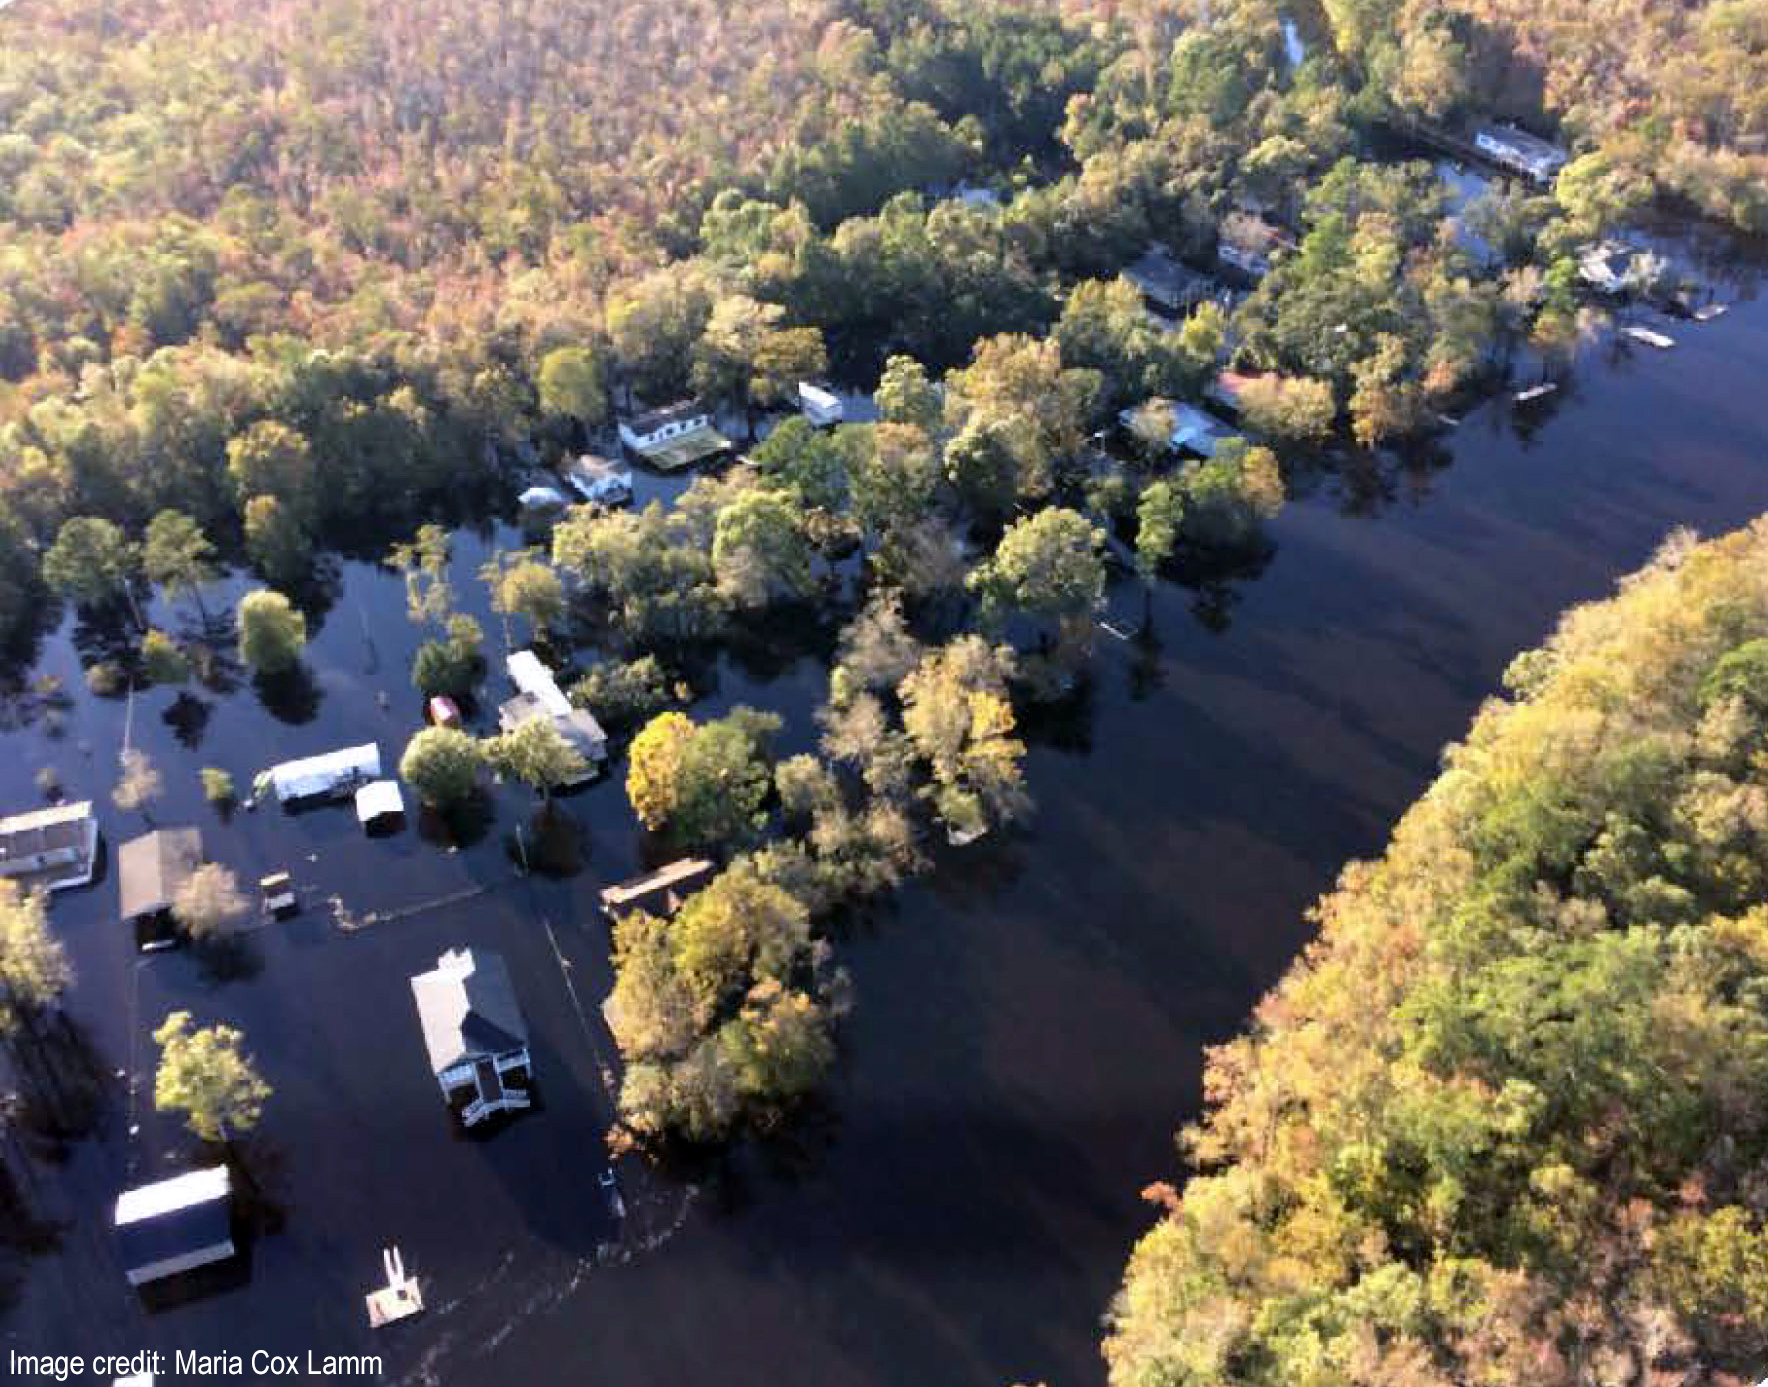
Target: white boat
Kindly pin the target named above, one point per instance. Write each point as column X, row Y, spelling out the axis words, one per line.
column 1535, row 392
column 1650, row 338
column 1709, row 312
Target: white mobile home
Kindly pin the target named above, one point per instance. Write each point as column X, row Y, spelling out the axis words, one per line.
column 331, row 776
column 51, row 848
column 821, row 407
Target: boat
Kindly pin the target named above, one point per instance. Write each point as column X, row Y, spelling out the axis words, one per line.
column 1707, row 312
column 1651, row 339
column 1535, row 392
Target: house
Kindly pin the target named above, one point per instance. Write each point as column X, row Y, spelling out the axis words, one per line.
column 673, row 437
column 1521, row 152
column 598, row 480
column 175, row 1225
column 541, row 697
column 331, row 776
column 151, row 870
column 379, row 806
column 660, row 892
column 474, row 1032
column 1194, row 430
column 50, row 848
column 1249, row 243
column 1167, row 287
column 821, row 407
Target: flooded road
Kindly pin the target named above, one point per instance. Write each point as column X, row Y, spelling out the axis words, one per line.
column 1030, row 1018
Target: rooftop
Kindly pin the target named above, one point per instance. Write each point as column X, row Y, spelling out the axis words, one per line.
column 169, row 1196
column 1160, row 276
column 672, row 880
column 153, row 867
column 468, row 1009
column 678, row 413
column 685, row 449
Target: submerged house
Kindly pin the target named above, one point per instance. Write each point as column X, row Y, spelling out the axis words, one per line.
column 334, row 775
column 675, row 436
column 598, row 480
column 660, row 892
column 175, row 1225
column 821, row 407
column 151, row 871
column 1168, row 287
column 1249, row 243
column 541, row 697
column 475, row 1034
column 50, row 848
column 1193, row 429
column 1520, row 152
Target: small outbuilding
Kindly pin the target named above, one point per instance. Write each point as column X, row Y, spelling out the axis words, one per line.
column 50, row 848
column 822, row 407
column 659, row 892
column 175, row 1225
column 379, row 806
column 151, row 870
column 1521, row 152
column 474, row 1032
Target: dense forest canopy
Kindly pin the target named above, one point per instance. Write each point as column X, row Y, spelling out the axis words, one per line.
column 1505, row 1121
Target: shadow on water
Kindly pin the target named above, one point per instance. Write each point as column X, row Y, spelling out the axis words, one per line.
column 62, row 1080
column 291, row 695
column 188, row 717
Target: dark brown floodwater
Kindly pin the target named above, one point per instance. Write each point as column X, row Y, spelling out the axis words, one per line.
column 1030, row 1018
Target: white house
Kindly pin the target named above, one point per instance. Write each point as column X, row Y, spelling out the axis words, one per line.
column 1194, row 430
column 379, row 805
column 598, row 480
column 331, row 776
column 175, row 1225
column 52, row 847
column 475, row 1034
column 821, row 407
column 1528, row 154
column 541, row 697
column 656, row 427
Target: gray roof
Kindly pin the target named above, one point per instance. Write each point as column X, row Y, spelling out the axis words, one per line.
column 662, row 889
column 468, row 1008
column 151, row 868
column 653, row 419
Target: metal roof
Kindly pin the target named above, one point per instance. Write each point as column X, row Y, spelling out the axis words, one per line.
column 378, row 798
column 318, row 775
column 532, row 677
column 44, row 830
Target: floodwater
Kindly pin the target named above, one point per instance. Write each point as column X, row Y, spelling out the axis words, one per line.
column 1030, row 1017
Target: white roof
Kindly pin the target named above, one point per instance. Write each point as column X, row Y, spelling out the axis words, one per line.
column 44, row 818
column 314, row 775
column 532, row 677
column 816, row 395
column 536, row 496
column 168, row 1196
column 379, row 797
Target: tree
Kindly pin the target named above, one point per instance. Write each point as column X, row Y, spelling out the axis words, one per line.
column 906, row 396
column 272, row 633
column 271, row 459
column 139, row 783
column 424, row 562
column 957, row 714
column 537, row 754
column 1038, row 407
column 177, row 556
column 276, row 541
column 34, row 968
column 704, row 783
column 1160, row 514
column 1047, row 565
column 442, row 764
column 1287, row 408
column 210, row 904
column 217, row 785
column 205, row 1074
column 572, row 385
column 450, row 666
column 759, row 549
column 161, row 659
column 801, row 458
column 92, row 562
column 523, row 585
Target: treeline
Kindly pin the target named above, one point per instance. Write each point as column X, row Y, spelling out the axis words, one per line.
column 1505, row 1121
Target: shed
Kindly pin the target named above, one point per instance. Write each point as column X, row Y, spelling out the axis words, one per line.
column 661, row 892
column 379, row 804
column 821, row 407
column 529, row 674
column 153, row 868
column 334, row 774
column 175, row 1225
column 598, row 480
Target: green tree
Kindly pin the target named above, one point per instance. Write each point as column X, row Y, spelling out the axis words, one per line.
column 572, row 385
column 706, row 783
column 210, row 904
column 92, row 562
column 161, row 659
column 524, row 585
column 177, row 556
column 537, row 754
column 271, row 459
column 34, row 968
column 277, row 543
column 906, row 396
column 1160, row 516
column 442, row 764
column 1046, row 565
column 217, row 785
column 138, row 783
column 205, row 1074
column 759, row 548
column 272, row 633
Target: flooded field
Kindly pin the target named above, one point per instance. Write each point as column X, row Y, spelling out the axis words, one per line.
column 1029, row 1018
